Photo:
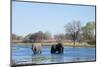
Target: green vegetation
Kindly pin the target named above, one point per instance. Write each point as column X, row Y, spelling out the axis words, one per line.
column 73, row 29
column 89, row 33
column 75, row 35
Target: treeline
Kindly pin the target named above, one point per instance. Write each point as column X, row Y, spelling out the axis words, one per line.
column 80, row 33
column 74, row 31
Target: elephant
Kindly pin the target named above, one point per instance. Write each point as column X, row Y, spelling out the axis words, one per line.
column 37, row 48
column 57, row 49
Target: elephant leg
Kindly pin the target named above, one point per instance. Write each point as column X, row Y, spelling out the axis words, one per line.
column 39, row 51
column 53, row 50
column 35, row 50
column 61, row 50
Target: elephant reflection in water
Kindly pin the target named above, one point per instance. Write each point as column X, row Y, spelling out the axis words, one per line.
column 37, row 48
column 57, row 49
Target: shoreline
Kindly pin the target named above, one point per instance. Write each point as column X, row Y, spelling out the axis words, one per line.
column 65, row 44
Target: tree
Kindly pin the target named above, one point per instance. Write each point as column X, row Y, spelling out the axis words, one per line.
column 27, row 38
column 89, row 33
column 73, row 29
column 47, row 35
column 38, row 36
column 59, row 37
column 14, row 36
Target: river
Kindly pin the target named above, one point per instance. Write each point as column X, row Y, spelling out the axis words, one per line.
column 22, row 54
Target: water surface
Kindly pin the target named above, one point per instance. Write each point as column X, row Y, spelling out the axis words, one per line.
column 22, row 54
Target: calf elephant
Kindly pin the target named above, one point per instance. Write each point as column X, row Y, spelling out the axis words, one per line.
column 57, row 49
column 37, row 48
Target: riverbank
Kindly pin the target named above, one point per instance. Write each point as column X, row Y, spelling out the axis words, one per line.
column 65, row 44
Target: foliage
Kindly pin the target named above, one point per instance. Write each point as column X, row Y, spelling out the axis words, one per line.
column 37, row 37
column 16, row 37
column 73, row 32
column 73, row 29
column 89, row 33
column 59, row 37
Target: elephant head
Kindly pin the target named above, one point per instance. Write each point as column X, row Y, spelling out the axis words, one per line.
column 37, row 48
column 57, row 49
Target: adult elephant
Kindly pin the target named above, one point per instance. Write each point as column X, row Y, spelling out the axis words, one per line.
column 37, row 48
column 57, row 49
